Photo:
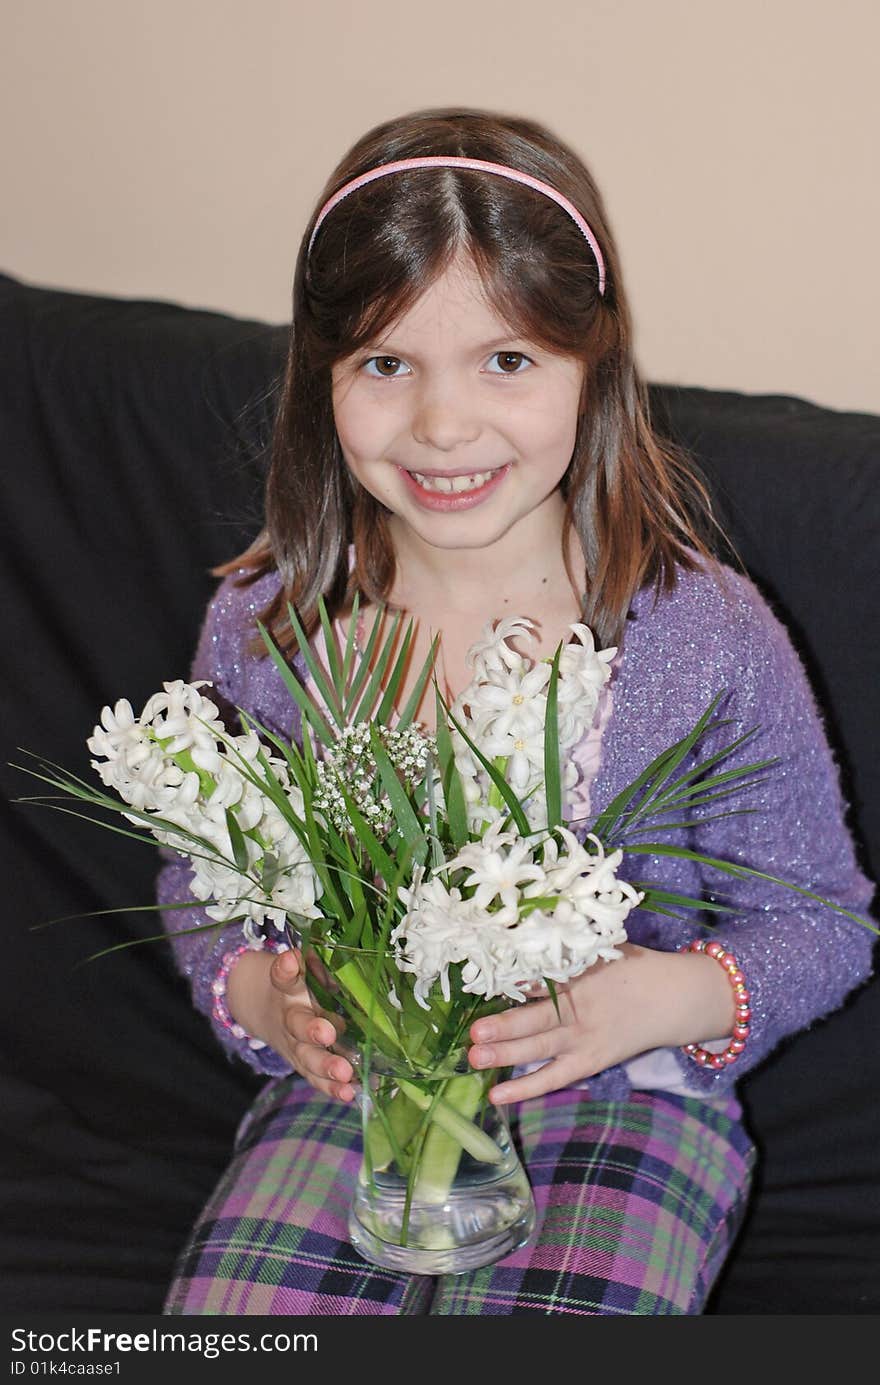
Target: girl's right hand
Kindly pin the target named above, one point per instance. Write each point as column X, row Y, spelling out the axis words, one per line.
column 283, row 1014
column 306, row 1034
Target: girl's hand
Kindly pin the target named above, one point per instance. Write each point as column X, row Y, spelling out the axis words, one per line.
column 609, row 1014
column 307, row 1034
column 273, row 1002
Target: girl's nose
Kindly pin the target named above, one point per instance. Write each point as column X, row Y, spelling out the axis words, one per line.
column 445, row 419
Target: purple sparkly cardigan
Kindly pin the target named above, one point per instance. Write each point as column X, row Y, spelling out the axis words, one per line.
column 800, row 959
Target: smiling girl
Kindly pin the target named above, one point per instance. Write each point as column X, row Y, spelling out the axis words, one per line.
column 462, row 434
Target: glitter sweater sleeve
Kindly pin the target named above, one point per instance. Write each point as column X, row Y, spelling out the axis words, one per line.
column 800, row 958
column 239, row 680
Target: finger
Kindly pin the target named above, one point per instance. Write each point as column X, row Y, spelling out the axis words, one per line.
column 285, row 972
column 550, row 1078
column 534, row 1048
column 329, row 1072
column 533, row 1017
column 305, row 1027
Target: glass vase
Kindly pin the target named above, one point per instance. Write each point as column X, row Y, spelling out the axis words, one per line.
column 441, row 1188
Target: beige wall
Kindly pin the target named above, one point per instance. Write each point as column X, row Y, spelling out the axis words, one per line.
column 173, row 149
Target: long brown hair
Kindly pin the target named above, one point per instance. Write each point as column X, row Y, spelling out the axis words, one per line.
column 634, row 501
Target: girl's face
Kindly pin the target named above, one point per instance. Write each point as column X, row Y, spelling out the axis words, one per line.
column 460, row 428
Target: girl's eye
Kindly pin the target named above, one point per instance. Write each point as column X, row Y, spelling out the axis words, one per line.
column 509, row 362
column 385, row 366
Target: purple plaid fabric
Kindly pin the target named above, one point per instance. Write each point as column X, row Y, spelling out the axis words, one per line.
column 638, row 1204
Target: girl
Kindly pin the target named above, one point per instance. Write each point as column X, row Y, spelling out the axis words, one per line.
column 462, row 434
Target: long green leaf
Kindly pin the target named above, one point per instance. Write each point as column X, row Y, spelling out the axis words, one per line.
column 697, row 772
column 324, row 685
column 453, row 790
column 747, row 776
column 366, row 660
column 333, row 658
column 411, row 829
column 237, row 842
column 415, row 697
column 611, row 814
column 552, row 777
column 395, row 678
column 744, row 872
column 306, row 706
column 684, row 901
column 350, row 642
column 652, row 826
column 510, row 799
column 377, row 678
column 381, row 861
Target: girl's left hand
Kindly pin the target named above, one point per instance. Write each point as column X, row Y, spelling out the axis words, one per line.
column 609, row 1014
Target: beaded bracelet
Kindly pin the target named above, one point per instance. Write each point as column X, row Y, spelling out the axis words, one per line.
column 218, row 989
column 742, row 1013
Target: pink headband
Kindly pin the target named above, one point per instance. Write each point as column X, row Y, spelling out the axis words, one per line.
column 481, row 166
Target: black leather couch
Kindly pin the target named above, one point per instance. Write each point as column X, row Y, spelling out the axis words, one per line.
column 133, row 445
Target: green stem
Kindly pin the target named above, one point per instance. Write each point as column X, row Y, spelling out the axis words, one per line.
column 442, row 1152
column 469, row 1136
column 495, row 797
column 390, row 1127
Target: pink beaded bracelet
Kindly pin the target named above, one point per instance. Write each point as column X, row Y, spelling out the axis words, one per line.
column 218, row 988
column 742, row 1013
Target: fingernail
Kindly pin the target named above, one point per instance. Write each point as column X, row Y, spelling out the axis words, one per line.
column 483, row 1030
column 482, row 1057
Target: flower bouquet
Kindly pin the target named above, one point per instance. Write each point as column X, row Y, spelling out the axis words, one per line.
column 428, row 879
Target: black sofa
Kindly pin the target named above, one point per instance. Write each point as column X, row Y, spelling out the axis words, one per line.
column 133, row 445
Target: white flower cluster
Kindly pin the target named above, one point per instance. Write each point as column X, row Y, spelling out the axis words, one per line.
column 350, row 760
column 177, row 761
column 504, row 708
column 487, row 922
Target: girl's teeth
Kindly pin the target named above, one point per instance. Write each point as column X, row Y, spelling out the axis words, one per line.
column 453, row 484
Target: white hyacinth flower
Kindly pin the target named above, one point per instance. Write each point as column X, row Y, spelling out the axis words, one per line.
column 496, row 873
column 149, row 762
column 501, row 950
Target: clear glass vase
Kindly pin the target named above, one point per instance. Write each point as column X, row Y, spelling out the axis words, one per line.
column 441, row 1188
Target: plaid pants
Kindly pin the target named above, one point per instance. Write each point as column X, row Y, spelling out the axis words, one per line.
column 638, row 1204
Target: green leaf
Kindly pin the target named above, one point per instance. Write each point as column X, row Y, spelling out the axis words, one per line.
column 706, row 790
column 333, row 658
column 237, row 841
column 652, row 776
column 386, row 706
column 683, row 901
column 743, row 873
column 415, row 697
column 552, row 777
column 306, row 706
column 696, row 773
column 453, row 790
column 381, row 861
column 411, row 829
column 350, row 641
column 364, row 665
column 510, row 799
column 651, row 825
column 324, row 685
column 377, row 677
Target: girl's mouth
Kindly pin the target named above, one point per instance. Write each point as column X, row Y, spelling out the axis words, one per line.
column 453, row 492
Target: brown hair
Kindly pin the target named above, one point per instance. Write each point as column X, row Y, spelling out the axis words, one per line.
column 634, row 501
